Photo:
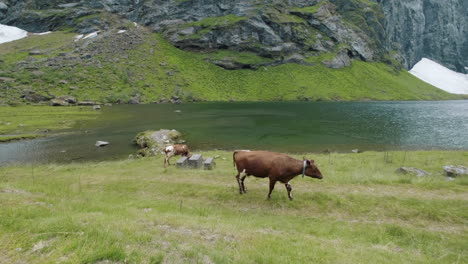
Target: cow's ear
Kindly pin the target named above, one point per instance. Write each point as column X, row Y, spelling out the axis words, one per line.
column 308, row 162
column 312, row 161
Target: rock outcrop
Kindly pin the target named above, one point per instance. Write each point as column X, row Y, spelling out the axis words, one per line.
column 274, row 29
column 152, row 142
column 428, row 28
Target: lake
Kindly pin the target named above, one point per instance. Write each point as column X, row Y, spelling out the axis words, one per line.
column 294, row 127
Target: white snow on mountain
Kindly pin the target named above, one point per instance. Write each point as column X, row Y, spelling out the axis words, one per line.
column 8, row 33
column 440, row 76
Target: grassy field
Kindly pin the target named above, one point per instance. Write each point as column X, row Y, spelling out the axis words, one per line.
column 135, row 211
column 26, row 122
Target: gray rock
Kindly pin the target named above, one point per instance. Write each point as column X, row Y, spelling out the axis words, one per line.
column 195, row 161
column 341, row 60
column 413, row 171
column 33, row 97
column 3, row 7
column 68, row 5
column 209, row 163
column 86, row 102
column 135, row 100
column 455, row 170
column 36, row 52
column 154, row 141
column 182, row 162
column 58, row 102
column 67, row 98
column 96, row 107
column 428, row 28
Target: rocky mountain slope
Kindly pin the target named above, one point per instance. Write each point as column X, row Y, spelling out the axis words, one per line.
column 144, row 51
column 428, row 28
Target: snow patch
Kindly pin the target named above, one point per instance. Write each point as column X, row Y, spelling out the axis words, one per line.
column 8, row 33
column 78, row 37
column 91, row 35
column 42, row 33
column 121, row 31
column 440, row 76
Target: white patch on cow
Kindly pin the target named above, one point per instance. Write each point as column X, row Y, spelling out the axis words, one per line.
column 169, row 149
column 243, row 173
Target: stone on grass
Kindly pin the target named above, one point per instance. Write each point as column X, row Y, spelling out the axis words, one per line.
column 196, row 161
column 209, row 164
column 58, row 102
column 413, row 171
column 182, row 162
column 455, row 170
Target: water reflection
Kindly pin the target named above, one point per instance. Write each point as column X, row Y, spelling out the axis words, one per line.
column 279, row 126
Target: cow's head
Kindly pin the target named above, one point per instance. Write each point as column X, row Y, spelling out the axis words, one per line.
column 312, row 169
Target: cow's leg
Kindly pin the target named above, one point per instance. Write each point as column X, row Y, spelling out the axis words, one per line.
column 238, row 182
column 166, row 160
column 169, row 157
column 289, row 189
column 242, row 183
column 272, row 186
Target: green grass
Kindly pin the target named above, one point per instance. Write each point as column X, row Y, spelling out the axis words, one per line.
column 18, row 137
column 135, row 211
column 32, row 121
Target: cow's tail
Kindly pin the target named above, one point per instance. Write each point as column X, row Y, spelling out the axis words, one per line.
column 234, row 158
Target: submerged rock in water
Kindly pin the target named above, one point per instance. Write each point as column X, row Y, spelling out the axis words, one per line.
column 412, row 170
column 101, row 143
column 455, row 170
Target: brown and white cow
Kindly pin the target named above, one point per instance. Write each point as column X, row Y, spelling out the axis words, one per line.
column 276, row 166
column 174, row 150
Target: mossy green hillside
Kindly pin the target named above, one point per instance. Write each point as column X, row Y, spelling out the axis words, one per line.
column 138, row 212
column 155, row 69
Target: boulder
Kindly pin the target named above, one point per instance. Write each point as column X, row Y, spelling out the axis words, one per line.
column 153, row 141
column 341, row 60
column 3, row 7
column 455, row 170
column 67, row 98
column 33, row 97
column 96, row 107
column 86, row 102
column 36, row 52
column 58, row 102
column 195, row 161
column 413, row 171
column 135, row 99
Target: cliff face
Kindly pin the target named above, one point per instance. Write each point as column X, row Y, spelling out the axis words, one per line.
column 428, row 28
column 278, row 31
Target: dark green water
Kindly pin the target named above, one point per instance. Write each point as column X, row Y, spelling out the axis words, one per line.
column 281, row 126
